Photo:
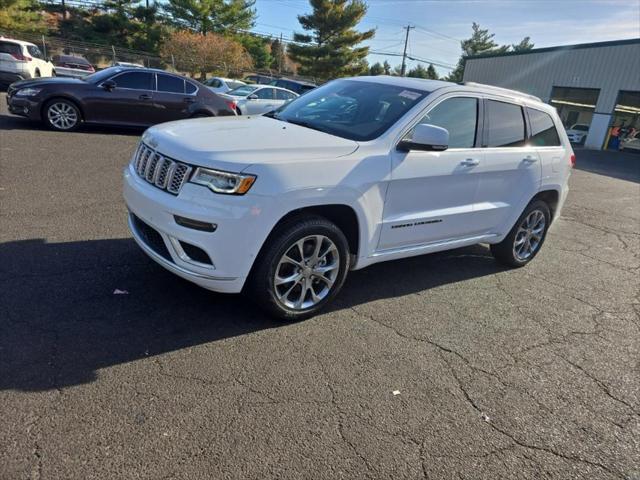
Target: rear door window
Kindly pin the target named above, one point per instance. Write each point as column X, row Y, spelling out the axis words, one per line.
column 134, row 80
column 283, row 95
column 543, row 130
column 190, row 88
column 34, row 51
column 506, row 124
column 170, row 84
column 265, row 94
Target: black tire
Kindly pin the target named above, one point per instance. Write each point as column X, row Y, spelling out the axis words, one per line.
column 37, row 73
column 238, row 112
column 505, row 251
column 61, row 103
column 261, row 283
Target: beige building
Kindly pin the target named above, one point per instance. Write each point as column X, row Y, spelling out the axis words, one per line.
column 595, row 86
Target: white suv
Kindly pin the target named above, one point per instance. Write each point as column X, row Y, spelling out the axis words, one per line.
column 21, row 61
column 355, row 172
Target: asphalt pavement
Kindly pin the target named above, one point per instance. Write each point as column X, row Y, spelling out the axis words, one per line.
column 530, row 373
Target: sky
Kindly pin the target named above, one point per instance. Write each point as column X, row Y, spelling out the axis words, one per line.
column 441, row 24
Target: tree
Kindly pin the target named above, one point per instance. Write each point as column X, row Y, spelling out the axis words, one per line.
column 212, row 15
column 431, row 72
column 195, row 53
column 418, row 72
column 387, row 68
column 258, row 48
column 277, row 55
column 331, row 48
column 524, row 45
column 376, row 69
column 21, row 15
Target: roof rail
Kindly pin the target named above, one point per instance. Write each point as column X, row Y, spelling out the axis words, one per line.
column 501, row 89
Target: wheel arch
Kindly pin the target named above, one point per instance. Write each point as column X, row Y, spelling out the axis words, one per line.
column 61, row 97
column 551, row 197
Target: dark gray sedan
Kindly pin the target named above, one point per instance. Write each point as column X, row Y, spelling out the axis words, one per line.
column 137, row 97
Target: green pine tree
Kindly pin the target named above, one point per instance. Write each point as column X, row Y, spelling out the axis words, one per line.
column 431, row 72
column 376, row 69
column 387, row 68
column 258, row 49
column 524, row 45
column 212, row 15
column 330, row 49
column 418, row 72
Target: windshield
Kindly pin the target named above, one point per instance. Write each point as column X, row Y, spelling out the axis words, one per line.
column 351, row 109
column 243, row 91
column 582, row 128
column 102, row 75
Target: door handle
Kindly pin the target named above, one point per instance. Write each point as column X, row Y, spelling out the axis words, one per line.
column 530, row 159
column 470, row 162
column 189, row 100
column 144, row 96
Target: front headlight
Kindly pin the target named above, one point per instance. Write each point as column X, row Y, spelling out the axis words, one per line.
column 223, row 182
column 28, row 92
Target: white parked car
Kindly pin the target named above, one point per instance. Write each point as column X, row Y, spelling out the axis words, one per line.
column 223, row 85
column 258, row 99
column 355, row 172
column 578, row 133
column 631, row 144
column 22, row 60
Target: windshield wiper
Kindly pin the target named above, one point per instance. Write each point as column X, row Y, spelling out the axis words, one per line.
column 304, row 123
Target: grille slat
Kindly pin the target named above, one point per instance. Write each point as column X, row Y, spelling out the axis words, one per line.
column 158, row 170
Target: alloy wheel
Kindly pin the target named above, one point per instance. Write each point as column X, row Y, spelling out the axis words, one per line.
column 62, row 115
column 529, row 235
column 306, row 272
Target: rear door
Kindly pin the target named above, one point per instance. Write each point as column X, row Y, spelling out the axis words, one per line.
column 510, row 174
column 430, row 196
column 170, row 100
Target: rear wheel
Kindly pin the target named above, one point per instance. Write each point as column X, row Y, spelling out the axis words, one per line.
column 526, row 237
column 301, row 269
column 62, row 115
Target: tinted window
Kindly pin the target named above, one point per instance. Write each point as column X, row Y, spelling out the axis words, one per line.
column 191, row 88
column 10, row 48
column 168, row 83
column 34, row 51
column 459, row 116
column 134, row 80
column 68, row 59
column 265, row 94
column 234, row 84
column 543, row 130
column 506, row 124
column 353, row 109
column 282, row 95
column 243, row 91
column 214, row 82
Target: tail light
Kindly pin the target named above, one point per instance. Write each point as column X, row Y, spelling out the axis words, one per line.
column 232, row 104
column 572, row 160
column 20, row 57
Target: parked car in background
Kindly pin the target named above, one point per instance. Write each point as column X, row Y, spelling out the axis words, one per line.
column 259, row 79
column 22, row 60
column 256, row 99
column 72, row 66
column 631, row 143
column 296, row 86
column 114, row 96
column 222, row 85
column 578, row 133
column 282, row 206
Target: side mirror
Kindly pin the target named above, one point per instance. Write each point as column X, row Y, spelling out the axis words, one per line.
column 426, row 137
column 253, row 96
column 108, row 85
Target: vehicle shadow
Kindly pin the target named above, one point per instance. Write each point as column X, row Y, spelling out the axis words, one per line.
column 60, row 320
column 15, row 122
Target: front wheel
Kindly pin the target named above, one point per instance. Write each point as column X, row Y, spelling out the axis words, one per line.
column 302, row 268
column 526, row 237
column 62, row 115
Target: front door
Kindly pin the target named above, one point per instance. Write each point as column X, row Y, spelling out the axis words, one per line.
column 129, row 103
column 265, row 101
column 431, row 194
column 510, row 174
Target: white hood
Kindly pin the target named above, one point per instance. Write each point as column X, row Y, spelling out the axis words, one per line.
column 234, row 143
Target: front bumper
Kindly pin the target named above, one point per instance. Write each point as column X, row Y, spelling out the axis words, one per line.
column 232, row 248
column 24, row 106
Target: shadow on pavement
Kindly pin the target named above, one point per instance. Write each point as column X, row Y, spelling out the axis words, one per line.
column 16, row 122
column 60, row 320
column 621, row 165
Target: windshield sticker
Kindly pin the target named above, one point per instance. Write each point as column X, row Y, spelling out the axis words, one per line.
column 410, row 95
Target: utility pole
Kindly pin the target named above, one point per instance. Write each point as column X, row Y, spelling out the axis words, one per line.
column 280, row 60
column 404, row 54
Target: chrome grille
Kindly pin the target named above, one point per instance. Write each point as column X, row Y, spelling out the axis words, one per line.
column 163, row 172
